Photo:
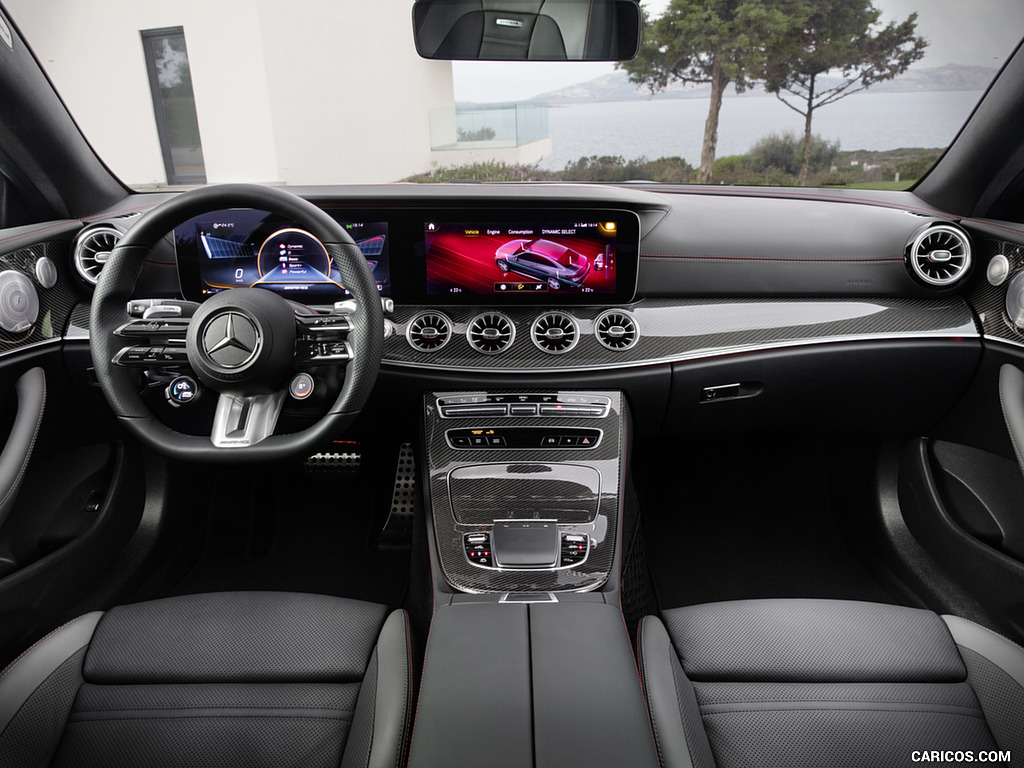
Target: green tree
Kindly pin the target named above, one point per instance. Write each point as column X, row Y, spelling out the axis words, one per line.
column 784, row 152
column 710, row 41
column 842, row 36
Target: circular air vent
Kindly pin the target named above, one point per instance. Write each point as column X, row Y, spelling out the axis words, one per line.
column 616, row 330
column 92, row 249
column 555, row 332
column 490, row 333
column 429, row 331
column 940, row 255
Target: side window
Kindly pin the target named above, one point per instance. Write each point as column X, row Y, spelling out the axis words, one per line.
column 531, row 260
column 170, row 80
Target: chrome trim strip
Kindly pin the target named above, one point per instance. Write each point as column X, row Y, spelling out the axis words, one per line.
column 697, row 355
column 539, row 597
column 33, row 345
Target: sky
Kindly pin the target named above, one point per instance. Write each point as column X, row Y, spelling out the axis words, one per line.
column 979, row 32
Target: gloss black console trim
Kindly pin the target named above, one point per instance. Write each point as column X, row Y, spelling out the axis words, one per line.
column 604, row 461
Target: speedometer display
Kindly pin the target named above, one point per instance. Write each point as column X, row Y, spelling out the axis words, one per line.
column 291, row 256
column 243, row 248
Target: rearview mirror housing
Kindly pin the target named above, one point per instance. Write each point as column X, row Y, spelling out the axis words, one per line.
column 527, row 30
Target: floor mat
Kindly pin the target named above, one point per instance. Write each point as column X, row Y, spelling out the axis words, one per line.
column 286, row 529
column 746, row 518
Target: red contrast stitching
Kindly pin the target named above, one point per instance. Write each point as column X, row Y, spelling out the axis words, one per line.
column 39, row 230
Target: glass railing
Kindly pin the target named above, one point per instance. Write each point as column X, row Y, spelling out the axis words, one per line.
column 495, row 125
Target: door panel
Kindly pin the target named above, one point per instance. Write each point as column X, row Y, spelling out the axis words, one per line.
column 71, row 495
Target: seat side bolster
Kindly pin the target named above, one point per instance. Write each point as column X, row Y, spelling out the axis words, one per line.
column 995, row 669
column 30, row 670
column 658, row 661
column 1004, row 653
column 393, row 701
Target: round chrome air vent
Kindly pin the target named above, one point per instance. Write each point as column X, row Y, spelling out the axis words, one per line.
column 616, row 329
column 92, row 249
column 429, row 331
column 555, row 332
column 940, row 255
column 490, row 333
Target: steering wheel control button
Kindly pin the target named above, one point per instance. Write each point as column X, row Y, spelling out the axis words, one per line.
column 182, row 391
column 172, row 355
column 301, row 386
column 231, row 340
column 138, row 329
column 19, row 302
column 326, row 325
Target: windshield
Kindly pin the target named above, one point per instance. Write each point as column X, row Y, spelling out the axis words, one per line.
column 839, row 93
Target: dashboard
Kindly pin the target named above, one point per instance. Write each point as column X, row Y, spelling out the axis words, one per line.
column 567, row 279
column 684, row 299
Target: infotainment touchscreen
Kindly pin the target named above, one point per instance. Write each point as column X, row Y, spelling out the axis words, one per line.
column 578, row 257
column 249, row 248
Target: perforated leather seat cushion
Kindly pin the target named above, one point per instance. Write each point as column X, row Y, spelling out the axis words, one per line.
column 807, row 683
column 230, row 679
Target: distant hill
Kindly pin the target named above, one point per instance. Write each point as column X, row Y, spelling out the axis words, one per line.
column 616, row 86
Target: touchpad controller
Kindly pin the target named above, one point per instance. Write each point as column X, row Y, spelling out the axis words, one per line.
column 525, row 544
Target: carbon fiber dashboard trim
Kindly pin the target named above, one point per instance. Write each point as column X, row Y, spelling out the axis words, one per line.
column 672, row 330
column 607, row 459
column 55, row 303
column 989, row 301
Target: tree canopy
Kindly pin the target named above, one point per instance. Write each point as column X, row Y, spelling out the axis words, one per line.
column 841, row 37
column 712, row 41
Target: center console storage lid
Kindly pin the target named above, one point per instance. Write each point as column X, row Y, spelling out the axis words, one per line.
column 474, row 705
column 537, row 685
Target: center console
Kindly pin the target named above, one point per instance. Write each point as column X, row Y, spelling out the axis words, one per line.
column 528, row 661
column 524, row 488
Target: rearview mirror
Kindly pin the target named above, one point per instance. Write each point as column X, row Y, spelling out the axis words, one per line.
column 535, row 30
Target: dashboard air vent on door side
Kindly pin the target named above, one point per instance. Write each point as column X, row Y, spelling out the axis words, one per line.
column 940, row 255
column 92, row 249
column 491, row 333
column 616, row 330
column 555, row 332
column 429, row 331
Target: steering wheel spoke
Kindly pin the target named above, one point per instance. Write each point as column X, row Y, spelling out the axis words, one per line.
column 241, row 422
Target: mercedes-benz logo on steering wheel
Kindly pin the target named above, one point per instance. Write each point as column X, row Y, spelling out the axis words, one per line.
column 231, row 340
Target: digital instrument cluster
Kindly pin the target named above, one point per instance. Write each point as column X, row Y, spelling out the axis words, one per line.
column 433, row 256
column 246, row 248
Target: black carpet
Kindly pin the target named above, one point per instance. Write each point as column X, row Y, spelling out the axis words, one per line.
column 738, row 518
column 279, row 528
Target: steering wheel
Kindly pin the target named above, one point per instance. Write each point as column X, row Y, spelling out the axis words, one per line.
column 241, row 343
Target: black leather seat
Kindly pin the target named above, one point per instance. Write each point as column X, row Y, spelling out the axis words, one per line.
column 228, row 679
column 827, row 683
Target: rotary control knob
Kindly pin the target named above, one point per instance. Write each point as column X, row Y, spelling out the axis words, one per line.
column 19, row 302
column 182, row 391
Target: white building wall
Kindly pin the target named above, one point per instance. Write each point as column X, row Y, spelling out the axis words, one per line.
column 361, row 114
column 278, row 99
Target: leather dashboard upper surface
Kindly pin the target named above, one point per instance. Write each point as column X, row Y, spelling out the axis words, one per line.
column 714, row 245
